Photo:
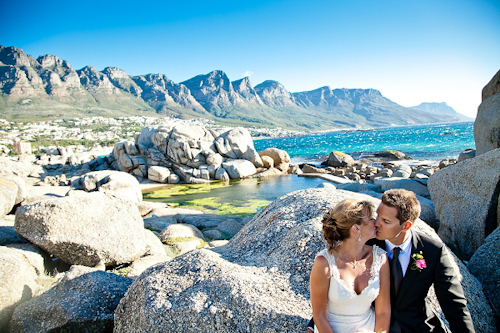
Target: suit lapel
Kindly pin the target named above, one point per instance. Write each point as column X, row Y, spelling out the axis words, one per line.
column 410, row 273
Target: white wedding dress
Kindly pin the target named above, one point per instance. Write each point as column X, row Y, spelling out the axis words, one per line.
column 346, row 311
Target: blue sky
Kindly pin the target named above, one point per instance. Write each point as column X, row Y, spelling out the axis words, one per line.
column 412, row 51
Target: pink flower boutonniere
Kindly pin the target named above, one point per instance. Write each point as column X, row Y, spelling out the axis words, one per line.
column 418, row 261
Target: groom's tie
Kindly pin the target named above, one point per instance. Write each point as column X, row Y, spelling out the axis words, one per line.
column 396, row 271
column 397, row 277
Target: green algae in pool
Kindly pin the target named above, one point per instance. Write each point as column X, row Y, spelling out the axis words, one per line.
column 242, row 197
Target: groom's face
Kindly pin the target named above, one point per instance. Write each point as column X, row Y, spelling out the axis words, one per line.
column 388, row 225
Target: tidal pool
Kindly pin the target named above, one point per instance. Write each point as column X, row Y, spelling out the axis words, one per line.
column 236, row 197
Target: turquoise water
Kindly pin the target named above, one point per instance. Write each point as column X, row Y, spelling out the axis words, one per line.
column 423, row 142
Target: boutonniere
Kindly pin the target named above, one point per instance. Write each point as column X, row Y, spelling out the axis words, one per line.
column 418, row 261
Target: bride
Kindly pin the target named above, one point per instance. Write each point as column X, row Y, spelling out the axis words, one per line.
column 349, row 276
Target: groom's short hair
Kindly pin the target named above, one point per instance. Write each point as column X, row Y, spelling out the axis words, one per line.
column 405, row 202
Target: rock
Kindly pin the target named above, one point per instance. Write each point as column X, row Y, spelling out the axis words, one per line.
column 257, row 282
column 403, row 171
column 385, row 172
column 146, row 207
column 221, row 174
column 218, row 243
column 20, row 269
column 229, row 227
column 408, row 184
column 157, row 223
column 271, row 172
column 465, row 196
column 492, row 88
column 484, row 266
column 237, row 143
column 83, row 301
column 338, row 159
column 141, row 264
column 7, row 233
column 327, row 185
column 214, row 159
column 188, row 245
column 158, row 174
column 351, row 186
column 280, row 158
column 122, row 159
column 154, row 246
column 179, row 230
column 8, row 195
column 294, row 170
column 487, row 125
column 466, row 154
column 155, row 254
column 115, row 183
column 392, row 155
column 239, row 168
column 267, row 161
column 186, row 143
column 84, row 229
column 202, row 221
column 172, row 212
column 306, row 168
column 213, row 234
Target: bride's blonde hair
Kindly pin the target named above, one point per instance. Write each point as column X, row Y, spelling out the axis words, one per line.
column 338, row 221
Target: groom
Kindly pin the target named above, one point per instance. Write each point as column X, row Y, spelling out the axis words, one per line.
column 417, row 261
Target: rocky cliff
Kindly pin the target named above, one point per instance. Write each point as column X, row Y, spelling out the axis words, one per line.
column 50, row 87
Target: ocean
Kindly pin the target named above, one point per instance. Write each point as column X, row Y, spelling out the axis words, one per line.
column 430, row 142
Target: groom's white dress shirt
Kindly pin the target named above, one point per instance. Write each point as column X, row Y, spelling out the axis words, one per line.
column 404, row 255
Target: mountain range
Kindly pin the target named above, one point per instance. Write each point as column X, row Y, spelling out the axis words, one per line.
column 48, row 87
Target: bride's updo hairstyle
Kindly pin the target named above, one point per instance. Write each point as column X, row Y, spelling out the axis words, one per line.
column 338, row 221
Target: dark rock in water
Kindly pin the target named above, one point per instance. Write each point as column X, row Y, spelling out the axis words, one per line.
column 338, row 159
column 392, row 155
column 84, row 301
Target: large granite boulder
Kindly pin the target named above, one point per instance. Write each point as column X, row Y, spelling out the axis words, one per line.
column 338, row 159
column 387, row 183
column 8, row 195
column 21, row 267
column 492, row 88
column 84, row 229
column 465, row 197
column 237, row 143
column 83, row 301
column 239, row 168
column 114, row 183
column 159, row 174
column 281, row 159
column 123, row 161
column 487, row 125
column 188, row 145
column 258, row 282
column 484, row 266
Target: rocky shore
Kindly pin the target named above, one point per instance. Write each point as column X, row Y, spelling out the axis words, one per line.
column 82, row 251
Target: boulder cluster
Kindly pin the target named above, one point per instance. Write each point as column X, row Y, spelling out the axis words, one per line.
column 194, row 154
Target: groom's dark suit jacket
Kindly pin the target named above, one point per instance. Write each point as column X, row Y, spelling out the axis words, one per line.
column 410, row 310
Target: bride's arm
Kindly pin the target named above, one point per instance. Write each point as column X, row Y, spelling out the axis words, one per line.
column 319, row 285
column 383, row 301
